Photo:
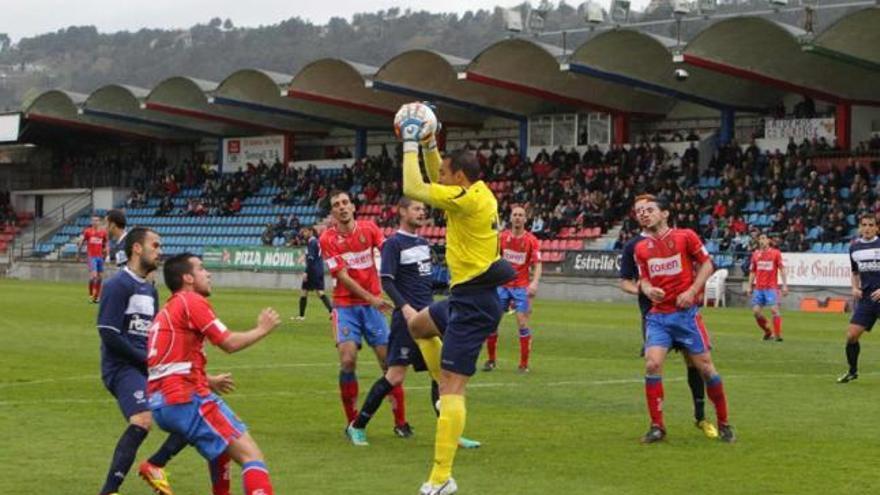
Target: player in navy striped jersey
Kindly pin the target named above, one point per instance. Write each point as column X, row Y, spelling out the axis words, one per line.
column 116, row 222
column 313, row 278
column 864, row 254
column 407, row 279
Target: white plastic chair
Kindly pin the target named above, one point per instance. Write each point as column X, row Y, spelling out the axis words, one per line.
column 715, row 288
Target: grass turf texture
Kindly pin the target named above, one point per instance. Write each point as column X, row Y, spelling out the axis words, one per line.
column 571, row 426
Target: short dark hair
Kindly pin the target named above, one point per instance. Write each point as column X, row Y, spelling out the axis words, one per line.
column 175, row 268
column 466, row 161
column 116, row 217
column 135, row 236
column 868, row 216
column 337, row 192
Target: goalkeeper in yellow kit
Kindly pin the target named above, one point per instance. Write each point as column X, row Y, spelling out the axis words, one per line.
column 473, row 309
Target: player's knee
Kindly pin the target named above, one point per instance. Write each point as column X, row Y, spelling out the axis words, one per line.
column 142, row 420
column 395, row 375
column 348, row 364
column 852, row 336
column 653, row 366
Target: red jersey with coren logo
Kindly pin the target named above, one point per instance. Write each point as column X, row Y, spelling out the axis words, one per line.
column 95, row 240
column 175, row 349
column 521, row 252
column 355, row 253
column 668, row 262
column 766, row 264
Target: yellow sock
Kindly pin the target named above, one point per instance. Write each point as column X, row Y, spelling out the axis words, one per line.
column 431, row 349
column 450, row 426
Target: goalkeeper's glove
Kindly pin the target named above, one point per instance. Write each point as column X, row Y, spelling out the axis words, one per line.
column 413, row 123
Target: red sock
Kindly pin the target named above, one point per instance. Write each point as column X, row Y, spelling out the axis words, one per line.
column 762, row 323
column 654, row 395
column 492, row 345
column 777, row 325
column 219, row 468
column 256, row 479
column 91, row 287
column 525, row 346
column 98, row 287
column 715, row 390
column 348, row 392
column 398, row 405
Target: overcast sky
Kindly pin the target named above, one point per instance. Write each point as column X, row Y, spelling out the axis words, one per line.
column 22, row 18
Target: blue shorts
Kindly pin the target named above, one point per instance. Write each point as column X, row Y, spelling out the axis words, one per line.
column 519, row 295
column 765, row 297
column 402, row 349
column 474, row 313
column 683, row 329
column 129, row 386
column 96, row 264
column 207, row 423
column 439, row 312
column 354, row 323
column 865, row 314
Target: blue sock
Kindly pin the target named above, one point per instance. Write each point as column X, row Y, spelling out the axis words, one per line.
column 123, row 457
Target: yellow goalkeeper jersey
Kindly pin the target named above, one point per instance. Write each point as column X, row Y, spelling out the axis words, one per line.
column 472, row 243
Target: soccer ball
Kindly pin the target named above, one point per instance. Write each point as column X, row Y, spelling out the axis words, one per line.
column 415, row 120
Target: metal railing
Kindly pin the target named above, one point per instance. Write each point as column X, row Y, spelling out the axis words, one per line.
column 25, row 244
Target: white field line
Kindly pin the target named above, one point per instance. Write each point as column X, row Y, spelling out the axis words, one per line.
column 478, row 385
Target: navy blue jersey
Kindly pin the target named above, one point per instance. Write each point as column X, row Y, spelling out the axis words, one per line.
column 117, row 251
column 865, row 258
column 629, row 270
column 406, row 259
column 314, row 262
column 128, row 305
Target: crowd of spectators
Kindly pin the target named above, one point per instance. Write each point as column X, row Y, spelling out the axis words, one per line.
column 288, row 230
column 822, row 209
column 7, row 212
column 565, row 189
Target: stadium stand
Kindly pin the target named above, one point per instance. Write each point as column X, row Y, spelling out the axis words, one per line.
column 11, row 222
column 807, row 197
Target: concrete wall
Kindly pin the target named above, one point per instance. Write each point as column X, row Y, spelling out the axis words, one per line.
column 52, row 198
column 865, row 123
column 108, row 197
column 552, row 287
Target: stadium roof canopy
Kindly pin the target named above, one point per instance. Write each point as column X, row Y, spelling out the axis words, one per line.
column 189, row 97
column 532, row 69
column 609, row 56
column 122, row 103
column 354, row 86
column 853, row 39
column 266, row 92
column 63, row 108
column 770, row 53
column 741, row 63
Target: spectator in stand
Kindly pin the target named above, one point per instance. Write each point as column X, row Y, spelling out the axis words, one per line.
column 268, row 234
column 693, row 136
column 166, row 206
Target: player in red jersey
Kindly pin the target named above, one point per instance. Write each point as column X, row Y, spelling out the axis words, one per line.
column 766, row 268
column 666, row 260
column 522, row 250
column 349, row 249
column 179, row 393
column 97, row 249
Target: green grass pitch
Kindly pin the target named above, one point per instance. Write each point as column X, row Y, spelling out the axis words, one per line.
column 571, row 426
